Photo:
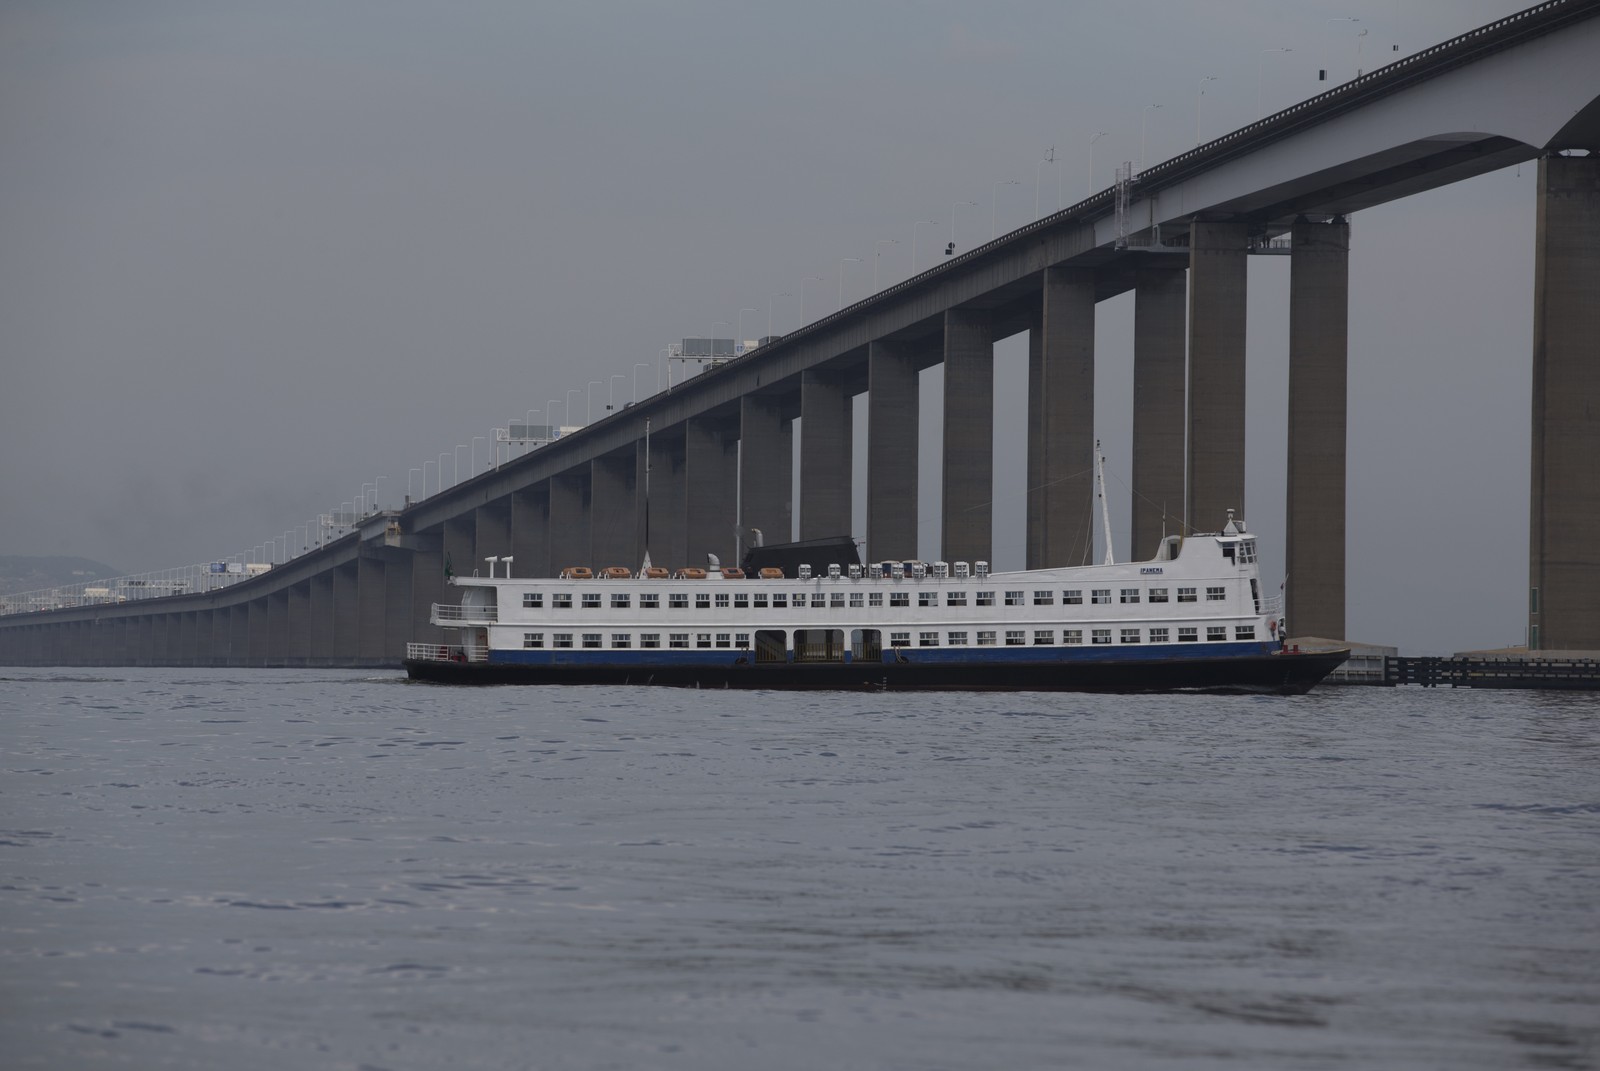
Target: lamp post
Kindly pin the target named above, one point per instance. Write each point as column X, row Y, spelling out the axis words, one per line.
column 455, row 469
column 877, row 254
column 588, row 412
column 1092, row 140
column 994, row 205
column 1359, row 36
column 1198, row 97
column 1261, row 74
column 739, row 340
column 408, row 483
column 1142, row 123
column 474, row 456
column 666, row 351
column 951, row 248
column 914, row 225
column 375, row 481
column 842, row 262
column 611, row 386
column 638, row 365
column 803, row 282
column 1049, row 157
column 425, row 465
column 770, row 309
column 567, row 409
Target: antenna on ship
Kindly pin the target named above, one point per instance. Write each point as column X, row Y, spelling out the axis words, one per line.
column 1100, row 492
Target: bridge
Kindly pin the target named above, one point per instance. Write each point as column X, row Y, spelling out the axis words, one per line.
column 717, row 450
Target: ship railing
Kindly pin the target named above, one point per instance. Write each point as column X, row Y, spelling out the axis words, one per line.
column 445, row 652
column 1272, row 605
column 455, row 613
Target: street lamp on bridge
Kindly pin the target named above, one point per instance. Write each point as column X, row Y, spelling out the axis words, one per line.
column 1261, row 74
column 1092, row 140
column 915, row 224
column 842, row 262
column 994, row 205
column 1143, row 118
column 950, row 249
column 1200, row 96
column 769, row 309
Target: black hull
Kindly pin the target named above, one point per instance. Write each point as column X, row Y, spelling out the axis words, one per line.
column 1279, row 674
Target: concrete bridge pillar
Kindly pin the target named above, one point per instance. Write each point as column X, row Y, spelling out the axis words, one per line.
column 399, row 626
column 1564, row 566
column 1160, row 350
column 320, row 646
column 669, row 495
column 1217, row 288
column 299, row 651
column 711, row 480
column 1319, row 317
column 492, row 525
column 427, row 584
column 569, row 520
column 530, row 531
column 1061, row 420
column 968, row 510
column 766, row 460
column 258, row 631
column 892, row 421
column 188, row 631
column 826, row 421
column 372, row 606
column 278, row 628
column 221, row 635
column 613, row 506
column 346, row 613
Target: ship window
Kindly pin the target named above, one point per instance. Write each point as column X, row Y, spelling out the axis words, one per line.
column 622, row 639
column 1158, row 594
column 677, row 600
column 1247, row 550
column 1186, row 595
column 722, row 600
column 650, row 601
column 1100, row 596
column 741, row 640
column 702, row 600
column 798, row 600
column 857, row 601
column 1158, row 635
column 927, row 639
column 899, row 639
column 561, row 639
column 1216, row 594
column 986, row 639
column 724, row 639
column 1072, row 597
column 1188, row 635
column 899, row 598
column 836, row 600
column 761, row 600
column 956, row 639
column 533, row 639
column 619, row 601
column 927, row 598
column 591, row 639
column 1227, row 551
column 780, row 600
column 1130, row 635
column 819, row 645
column 677, row 639
column 875, row 598
column 649, row 639
column 1130, row 595
column 866, row 645
column 1044, row 598
column 1072, row 635
column 1101, row 635
column 985, row 598
column 702, row 639
column 561, row 600
column 532, row 600
column 1013, row 598
column 591, row 600
column 1044, row 637
column 1016, row 637
column 742, row 601
column 955, row 598
column 1216, row 633
column 1244, row 632
column 819, row 600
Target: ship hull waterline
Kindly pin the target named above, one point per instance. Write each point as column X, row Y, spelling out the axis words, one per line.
column 1286, row 673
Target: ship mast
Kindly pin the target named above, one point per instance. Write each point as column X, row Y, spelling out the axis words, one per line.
column 1100, row 493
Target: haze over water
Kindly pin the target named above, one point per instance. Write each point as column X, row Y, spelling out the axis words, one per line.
column 269, row 869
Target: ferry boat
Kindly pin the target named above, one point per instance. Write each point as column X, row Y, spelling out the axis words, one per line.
column 1194, row 617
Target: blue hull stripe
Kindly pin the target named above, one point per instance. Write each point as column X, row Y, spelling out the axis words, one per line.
column 949, row 656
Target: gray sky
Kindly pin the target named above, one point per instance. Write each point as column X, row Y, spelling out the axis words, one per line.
column 254, row 255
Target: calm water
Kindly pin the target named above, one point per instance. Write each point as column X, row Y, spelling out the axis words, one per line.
column 276, row 869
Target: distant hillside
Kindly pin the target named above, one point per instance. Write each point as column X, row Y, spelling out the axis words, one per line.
column 22, row 572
